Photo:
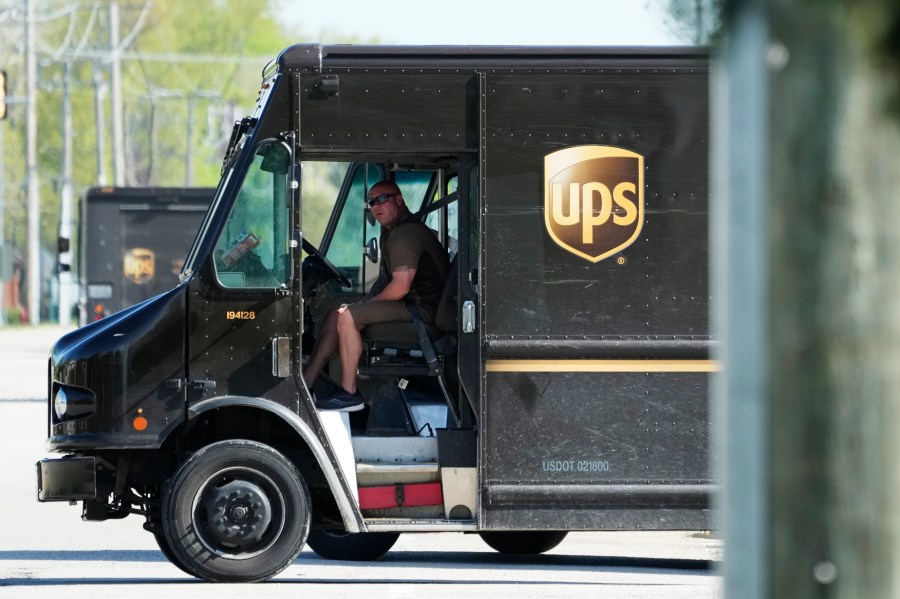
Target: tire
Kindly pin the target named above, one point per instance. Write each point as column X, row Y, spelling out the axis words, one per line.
column 236, row 511
column 360, row 547
column 530, row 542
column 167, row 551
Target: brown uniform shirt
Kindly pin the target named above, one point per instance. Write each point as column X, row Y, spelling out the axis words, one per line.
column 410, row 244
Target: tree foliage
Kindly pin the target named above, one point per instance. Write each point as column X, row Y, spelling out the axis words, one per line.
column 698, row 22
column 189, row 70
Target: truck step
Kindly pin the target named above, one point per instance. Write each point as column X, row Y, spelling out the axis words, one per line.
column 372, row 474
column 395, row 450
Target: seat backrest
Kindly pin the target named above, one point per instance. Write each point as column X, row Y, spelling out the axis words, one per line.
column 447, row 309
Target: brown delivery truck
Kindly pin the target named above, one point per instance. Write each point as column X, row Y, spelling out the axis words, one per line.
column 566, row 390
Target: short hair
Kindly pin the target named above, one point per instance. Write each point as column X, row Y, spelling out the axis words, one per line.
column 390, row 185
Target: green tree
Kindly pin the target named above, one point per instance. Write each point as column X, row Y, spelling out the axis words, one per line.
column 186, row 67
column 171, row 94
column 698, row 22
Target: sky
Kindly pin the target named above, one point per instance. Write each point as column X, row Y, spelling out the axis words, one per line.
column 503, row 22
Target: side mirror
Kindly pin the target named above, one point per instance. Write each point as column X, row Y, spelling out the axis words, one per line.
column 371, row 250
column 275, row 158
column 370, row 218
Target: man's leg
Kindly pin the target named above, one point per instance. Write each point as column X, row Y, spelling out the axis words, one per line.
column 325, row 346
column 350, row 344
column 348, row 339
column 335, row 336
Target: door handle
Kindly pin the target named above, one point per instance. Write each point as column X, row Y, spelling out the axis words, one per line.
column 281, row 357
column 468, row 316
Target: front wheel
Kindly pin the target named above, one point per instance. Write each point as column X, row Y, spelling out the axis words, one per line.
column 236, row 511
column 361, row 547
column 529, row 542
column 163, row 545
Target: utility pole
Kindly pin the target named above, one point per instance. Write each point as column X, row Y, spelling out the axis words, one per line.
column 64, row 244
column 100, row 122
column 3, row 251
column 189, row 145
column 118, row 127
column 31, row 169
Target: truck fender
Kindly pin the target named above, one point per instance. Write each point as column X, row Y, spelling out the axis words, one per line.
column 352, row 519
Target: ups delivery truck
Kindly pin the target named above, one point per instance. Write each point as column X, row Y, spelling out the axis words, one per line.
column 562, row 386
column 133, row 242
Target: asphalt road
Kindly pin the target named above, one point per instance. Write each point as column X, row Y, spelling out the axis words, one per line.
column 45, row 549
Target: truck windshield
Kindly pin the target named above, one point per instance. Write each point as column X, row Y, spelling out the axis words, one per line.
column 253, row 249
column 334, row 211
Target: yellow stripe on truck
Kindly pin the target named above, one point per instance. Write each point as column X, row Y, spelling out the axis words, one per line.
column 602, row 366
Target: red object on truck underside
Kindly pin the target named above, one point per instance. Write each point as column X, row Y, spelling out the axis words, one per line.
column 400, row 495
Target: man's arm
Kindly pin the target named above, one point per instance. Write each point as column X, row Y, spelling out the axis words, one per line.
column 398, row 287
column 378, row 286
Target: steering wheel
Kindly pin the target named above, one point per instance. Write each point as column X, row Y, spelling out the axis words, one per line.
column 314, row 252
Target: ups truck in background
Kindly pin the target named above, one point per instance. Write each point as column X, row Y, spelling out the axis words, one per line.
column 133, row 242
column 562, row 386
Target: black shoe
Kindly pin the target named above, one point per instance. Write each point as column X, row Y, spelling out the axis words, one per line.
column 341, row 400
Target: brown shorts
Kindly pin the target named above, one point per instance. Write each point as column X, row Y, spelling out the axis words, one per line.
column 368, row 313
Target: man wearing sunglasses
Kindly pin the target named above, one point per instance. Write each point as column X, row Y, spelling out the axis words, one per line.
column 414, row 266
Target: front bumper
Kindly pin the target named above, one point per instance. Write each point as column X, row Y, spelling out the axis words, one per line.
column 67, row 479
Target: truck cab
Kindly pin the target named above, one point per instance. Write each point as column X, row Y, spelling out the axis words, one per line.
column 564, row 388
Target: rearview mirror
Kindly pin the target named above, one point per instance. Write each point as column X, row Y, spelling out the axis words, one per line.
column 371, row 250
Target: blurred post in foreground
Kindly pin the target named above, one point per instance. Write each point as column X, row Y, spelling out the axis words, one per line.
column 809, row 289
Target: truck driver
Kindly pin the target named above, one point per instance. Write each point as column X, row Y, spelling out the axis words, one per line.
column 414, row 267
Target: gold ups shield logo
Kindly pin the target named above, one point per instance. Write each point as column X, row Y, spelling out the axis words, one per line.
column 594, row 199
column 140, row 264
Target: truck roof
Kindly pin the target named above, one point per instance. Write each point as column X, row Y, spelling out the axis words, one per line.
column 319, row 57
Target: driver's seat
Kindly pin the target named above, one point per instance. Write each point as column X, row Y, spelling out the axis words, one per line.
column 405, row 349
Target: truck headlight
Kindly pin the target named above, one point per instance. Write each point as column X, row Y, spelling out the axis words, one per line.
column 71, row 402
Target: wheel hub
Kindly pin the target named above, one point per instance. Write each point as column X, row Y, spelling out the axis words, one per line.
column 238, row 514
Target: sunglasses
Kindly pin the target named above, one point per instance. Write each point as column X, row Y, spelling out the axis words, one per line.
column 380, row 199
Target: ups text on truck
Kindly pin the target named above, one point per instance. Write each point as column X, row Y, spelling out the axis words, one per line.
column 566, row 391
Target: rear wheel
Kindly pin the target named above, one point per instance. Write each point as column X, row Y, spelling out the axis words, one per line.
column 361, row 547
column 236, row 511
column 530, row 542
